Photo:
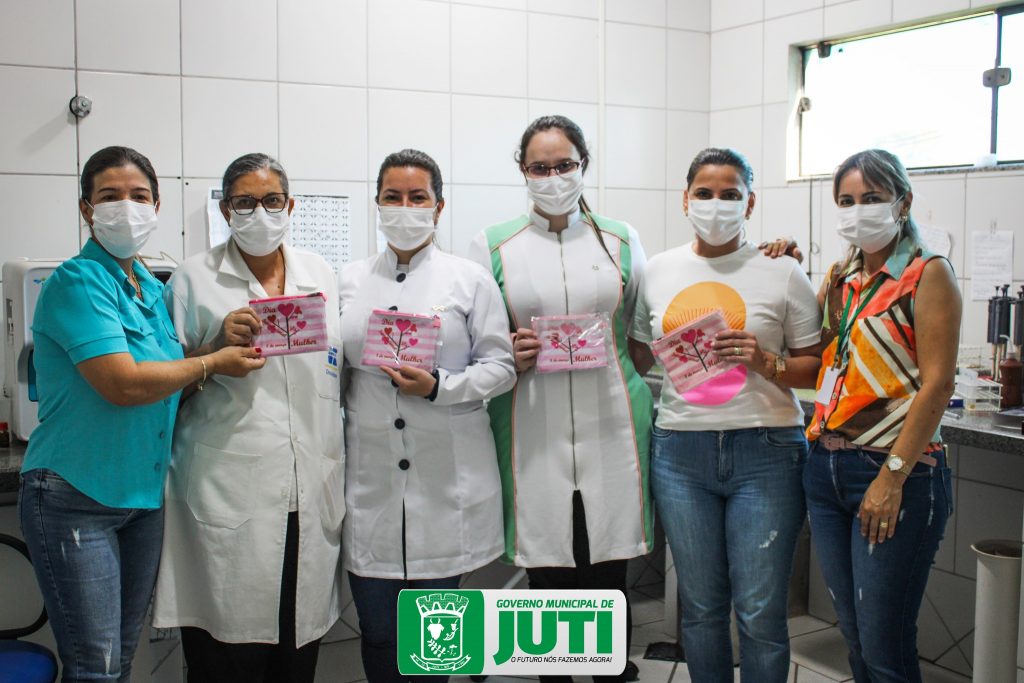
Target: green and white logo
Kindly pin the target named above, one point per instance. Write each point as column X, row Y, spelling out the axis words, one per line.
column 472, row 632
column 441, row 632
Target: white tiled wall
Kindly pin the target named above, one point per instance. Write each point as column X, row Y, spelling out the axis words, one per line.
column 332, row 86
column 754, row 76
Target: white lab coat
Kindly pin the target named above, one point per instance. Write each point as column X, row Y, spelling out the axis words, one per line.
column 583, row 431
column 240, row 446
column 439, row 470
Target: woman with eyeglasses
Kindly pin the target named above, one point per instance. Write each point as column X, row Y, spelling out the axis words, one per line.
column 109, row 374
column 422, row 484
column 877, row 482
column 573, row 446
column 729, row 452
column 255, row 496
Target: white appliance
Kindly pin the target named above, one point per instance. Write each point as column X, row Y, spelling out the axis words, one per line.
column 23, row 280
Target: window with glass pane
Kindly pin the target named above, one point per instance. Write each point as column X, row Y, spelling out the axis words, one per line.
column 1010, row 138
column 917, row 93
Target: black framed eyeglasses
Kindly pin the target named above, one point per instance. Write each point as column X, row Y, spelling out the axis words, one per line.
column 540, row 170
column 244, row 204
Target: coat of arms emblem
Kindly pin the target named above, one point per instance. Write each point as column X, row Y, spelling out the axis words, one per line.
column 441, row 632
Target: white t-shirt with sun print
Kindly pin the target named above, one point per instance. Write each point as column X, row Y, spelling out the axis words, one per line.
column 771, row 298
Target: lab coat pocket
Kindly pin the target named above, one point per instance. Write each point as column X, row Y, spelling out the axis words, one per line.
column 328, row 375
column 220, row 486
column 332, row 497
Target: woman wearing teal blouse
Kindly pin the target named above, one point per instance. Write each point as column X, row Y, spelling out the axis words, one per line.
column 109, row 371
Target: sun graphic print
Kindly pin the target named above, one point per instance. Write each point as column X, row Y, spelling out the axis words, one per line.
column 692, row 303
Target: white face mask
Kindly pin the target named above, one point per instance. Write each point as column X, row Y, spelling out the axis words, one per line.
column 556, row 195
column 717, row 221
column 123, row 227
column 870, row 227
column 406, row 227
column 259, row 233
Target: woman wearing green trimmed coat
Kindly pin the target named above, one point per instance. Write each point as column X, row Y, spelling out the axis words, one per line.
column 573, row 446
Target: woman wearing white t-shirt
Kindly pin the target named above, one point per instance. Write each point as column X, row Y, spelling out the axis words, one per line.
column 728, row 454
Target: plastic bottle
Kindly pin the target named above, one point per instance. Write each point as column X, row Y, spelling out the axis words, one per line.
column 1011, row 377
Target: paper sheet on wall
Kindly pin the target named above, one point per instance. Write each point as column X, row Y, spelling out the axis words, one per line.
column 320, row 224
column 936, row 239
column 992, row 263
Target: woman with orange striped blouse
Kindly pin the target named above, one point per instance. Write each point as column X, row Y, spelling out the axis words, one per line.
column 877, row 485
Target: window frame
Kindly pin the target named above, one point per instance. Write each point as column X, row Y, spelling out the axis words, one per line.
column 826, row 45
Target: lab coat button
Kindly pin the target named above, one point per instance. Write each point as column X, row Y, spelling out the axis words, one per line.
column 403, row 464
column 156, row 467
column 161, row 435
column 399, row 423
column 401, row 277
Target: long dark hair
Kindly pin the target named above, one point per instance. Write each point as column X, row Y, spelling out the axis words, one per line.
column 721, row 156
column 416, row 159
column 575, row 135
column 116, row 157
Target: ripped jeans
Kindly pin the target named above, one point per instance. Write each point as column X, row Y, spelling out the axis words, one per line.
column 96, row 567
column 876, row 588
column 732, row 506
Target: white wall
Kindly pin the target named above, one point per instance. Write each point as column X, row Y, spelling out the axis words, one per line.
column 330, row 87
column 754, row 75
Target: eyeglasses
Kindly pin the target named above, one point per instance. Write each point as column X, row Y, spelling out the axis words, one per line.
column 244, row 204
column 539, row 170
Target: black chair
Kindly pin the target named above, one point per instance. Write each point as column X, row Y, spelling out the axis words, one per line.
column 22, row 662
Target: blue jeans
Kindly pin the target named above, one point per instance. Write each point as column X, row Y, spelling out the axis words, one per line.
column 377, row 606
column 96, row 567
column 732, row 507
column 876, row 589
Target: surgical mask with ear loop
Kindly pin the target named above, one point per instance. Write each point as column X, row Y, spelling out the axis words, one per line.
column 261, row 232
column 406, row 227
column 123, row 227
column 717, row 221
column 556, row 195
column 871, row 227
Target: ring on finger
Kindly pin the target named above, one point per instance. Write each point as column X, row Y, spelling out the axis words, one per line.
column 883, row 525
column 736, row 351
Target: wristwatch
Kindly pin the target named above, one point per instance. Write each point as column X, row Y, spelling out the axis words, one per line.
column 897, row 464
column 778, row 367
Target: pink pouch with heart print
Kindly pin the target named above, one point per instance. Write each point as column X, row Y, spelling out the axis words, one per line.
column 688, row 352
column 394, row 339
column 291, row 324
column 572, row 342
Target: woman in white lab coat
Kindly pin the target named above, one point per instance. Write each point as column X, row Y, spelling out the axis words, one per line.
column 422, row 485
column 257, row 464
column 577, row 502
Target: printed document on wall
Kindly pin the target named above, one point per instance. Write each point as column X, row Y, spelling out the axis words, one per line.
column 992, row 262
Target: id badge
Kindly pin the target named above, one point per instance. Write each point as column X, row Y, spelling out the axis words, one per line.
column 829, row 385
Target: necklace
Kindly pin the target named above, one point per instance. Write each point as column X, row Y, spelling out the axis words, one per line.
column 135, row 282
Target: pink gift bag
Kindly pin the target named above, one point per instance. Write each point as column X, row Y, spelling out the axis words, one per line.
column 572, row 342
column 688, row 354
column 395, row 339
column 291, row 324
